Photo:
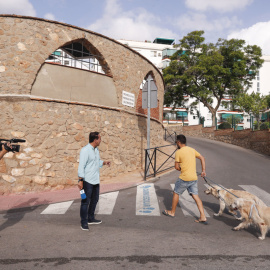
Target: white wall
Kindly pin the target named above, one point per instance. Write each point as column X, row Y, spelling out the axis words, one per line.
column 152, row 51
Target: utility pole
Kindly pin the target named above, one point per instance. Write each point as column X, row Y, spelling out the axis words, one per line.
column 149, row 100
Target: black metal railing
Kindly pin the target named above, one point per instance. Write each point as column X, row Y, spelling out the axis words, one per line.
column 170, row 136
column 152, row 168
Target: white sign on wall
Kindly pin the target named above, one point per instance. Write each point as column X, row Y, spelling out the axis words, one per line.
column 128, row 99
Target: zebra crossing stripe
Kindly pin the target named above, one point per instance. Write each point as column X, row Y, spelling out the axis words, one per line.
column 106, row 203
column 146, row 200
column 57, row 208
column 188, row 205
column 260, row 193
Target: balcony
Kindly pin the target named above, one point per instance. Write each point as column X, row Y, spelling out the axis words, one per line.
column 167, row 53
column 176, row 117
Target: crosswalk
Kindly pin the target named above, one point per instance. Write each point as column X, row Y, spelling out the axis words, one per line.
column 148, row 203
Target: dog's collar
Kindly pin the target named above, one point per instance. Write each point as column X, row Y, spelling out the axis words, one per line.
column 221, row 198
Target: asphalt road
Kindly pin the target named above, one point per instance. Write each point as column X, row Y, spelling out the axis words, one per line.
column 125, row 240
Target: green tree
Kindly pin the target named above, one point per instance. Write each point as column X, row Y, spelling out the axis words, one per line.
column 268, row 101
column 234, row 121
column 253, row 103
column 210, row 72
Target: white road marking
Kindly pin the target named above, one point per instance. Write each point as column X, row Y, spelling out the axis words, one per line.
column 106, row 203
column 188, row 205
column 260, row 193
column 57, row 208
column 146, row 201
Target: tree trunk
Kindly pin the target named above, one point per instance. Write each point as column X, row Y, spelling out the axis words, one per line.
column 214, row 119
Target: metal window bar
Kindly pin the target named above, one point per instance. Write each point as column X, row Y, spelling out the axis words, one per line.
column 83, row 63
column 151, row 161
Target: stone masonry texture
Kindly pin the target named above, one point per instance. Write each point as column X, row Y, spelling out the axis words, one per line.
column 56, row 130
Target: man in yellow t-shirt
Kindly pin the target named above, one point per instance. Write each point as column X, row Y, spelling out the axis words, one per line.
column 185, row 162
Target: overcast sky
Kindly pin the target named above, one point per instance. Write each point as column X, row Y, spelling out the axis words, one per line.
column 147, row 19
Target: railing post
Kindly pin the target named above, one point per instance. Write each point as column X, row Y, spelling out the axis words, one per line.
column 155, row 163
column 145, row 164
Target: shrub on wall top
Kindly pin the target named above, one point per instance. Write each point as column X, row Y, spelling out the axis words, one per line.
column 264, row 126
column 224, row 125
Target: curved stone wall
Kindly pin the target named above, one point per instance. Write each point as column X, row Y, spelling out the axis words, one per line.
column 55, row 129
column 25, row 43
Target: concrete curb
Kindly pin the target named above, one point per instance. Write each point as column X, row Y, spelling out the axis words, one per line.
column 20, row 201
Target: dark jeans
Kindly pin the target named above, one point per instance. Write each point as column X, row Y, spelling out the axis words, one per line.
column 88, row 205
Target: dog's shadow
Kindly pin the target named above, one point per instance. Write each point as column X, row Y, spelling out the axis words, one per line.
column 228, row 219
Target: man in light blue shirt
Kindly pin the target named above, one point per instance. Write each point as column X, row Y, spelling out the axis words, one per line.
column 88, row 173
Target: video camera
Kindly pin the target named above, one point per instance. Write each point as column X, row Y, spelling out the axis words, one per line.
column 12, row 147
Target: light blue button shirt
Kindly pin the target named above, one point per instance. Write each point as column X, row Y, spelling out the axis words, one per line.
column 89, row 164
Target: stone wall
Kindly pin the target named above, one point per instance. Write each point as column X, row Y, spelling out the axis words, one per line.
column 26, row 42
column 55, row 130
column 258, row 141
column 55, row 133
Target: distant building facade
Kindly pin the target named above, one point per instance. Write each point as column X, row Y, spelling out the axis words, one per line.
column 159, row 52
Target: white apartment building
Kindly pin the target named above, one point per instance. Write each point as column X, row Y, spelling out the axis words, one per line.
column 158, row 53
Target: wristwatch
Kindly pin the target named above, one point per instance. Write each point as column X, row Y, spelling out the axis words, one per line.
column 80, row 179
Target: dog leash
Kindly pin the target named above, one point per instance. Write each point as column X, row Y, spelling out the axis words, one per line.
column 207, row 179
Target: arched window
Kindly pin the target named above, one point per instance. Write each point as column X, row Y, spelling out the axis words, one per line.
column 140, row 106
column 79, row 54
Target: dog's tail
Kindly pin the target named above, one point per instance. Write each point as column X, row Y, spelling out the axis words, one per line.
column 255, row 216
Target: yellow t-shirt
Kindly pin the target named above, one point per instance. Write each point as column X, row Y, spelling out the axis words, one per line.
column 186, row 156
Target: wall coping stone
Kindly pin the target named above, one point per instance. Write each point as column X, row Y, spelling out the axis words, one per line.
column 14, row 97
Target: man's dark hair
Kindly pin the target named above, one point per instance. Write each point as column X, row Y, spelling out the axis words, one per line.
column 181, row 138
column 93, row 136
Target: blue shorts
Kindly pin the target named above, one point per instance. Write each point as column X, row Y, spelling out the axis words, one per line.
column 190, row 186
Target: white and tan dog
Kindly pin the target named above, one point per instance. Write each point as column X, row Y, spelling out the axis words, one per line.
column 253, row 214
column 227, row 198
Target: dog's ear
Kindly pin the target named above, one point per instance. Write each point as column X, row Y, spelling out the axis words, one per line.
column 215, row 192
column 239, row 202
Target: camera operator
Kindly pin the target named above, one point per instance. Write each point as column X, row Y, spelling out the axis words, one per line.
column 4, row 150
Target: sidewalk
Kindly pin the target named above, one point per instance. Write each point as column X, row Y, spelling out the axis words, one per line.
column 12, row 201
column 122, row 181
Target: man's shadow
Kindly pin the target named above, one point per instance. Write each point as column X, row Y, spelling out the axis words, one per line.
column 14, row 216
column 166, row 195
